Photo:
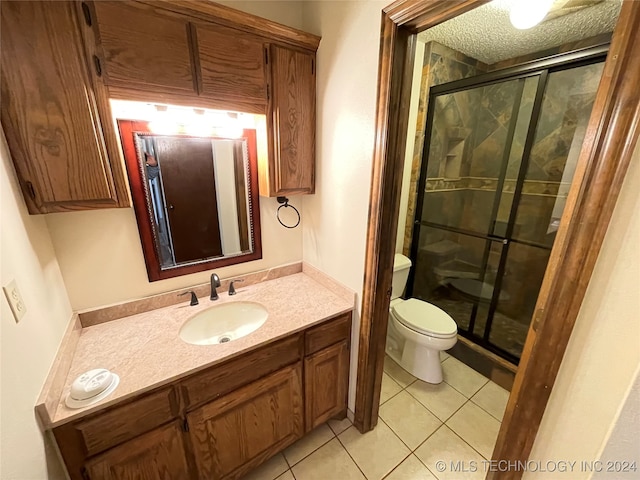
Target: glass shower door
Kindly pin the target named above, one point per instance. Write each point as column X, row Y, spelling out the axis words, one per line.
column 498, row 162
column 473, row 157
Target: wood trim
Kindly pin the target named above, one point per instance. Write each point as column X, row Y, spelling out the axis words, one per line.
column 609, row 143
column 222, row 15
column 396, row 66
column 128, row 128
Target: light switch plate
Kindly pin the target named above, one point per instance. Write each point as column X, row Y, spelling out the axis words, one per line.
column 18, row 308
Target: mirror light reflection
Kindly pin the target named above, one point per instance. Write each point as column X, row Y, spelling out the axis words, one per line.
column 197, row 190
column 194, row 185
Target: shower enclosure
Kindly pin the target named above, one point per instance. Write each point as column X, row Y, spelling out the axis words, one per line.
column 499, row 156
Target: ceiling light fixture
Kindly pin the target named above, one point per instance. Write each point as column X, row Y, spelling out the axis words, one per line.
column 526, row 14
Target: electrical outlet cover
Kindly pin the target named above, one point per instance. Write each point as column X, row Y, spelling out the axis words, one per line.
column 18, row 308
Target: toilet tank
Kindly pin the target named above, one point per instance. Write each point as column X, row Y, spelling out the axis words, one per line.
column 401, row 267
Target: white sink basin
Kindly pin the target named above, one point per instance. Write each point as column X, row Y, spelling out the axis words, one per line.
column 223, row 323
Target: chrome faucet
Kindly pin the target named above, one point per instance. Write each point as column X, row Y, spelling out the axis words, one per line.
column 215, row 282
column 232, row 290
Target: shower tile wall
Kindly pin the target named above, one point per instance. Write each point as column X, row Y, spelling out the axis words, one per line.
column 466, row 153
column 441, row 64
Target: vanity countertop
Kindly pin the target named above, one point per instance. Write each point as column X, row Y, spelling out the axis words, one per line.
column 146, row 351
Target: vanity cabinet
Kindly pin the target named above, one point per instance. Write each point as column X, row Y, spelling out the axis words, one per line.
column 240, row 430
column 220, row 422
column 56, row 119
column 156, row 454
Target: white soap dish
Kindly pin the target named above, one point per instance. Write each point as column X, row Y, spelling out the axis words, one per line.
column 91, row 387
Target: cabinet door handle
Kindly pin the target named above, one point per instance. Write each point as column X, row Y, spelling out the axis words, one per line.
column 87, row 13
column 96, row 63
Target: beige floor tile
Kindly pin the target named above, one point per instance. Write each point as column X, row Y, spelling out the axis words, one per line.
column 411, row 469
column 328, row 462
column 286, row 476
column 444, row 452
column 493, row 399
column 442, row 400
column 269, row 470
column 339, row 426
column 397, row 373
column 444, row 356
column 389, row 388
column 376, row 452
column 464, row 379
column 476, row 427
column 409, row 419
column 307, row 444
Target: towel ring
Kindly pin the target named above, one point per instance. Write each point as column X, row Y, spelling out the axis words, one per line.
column 285, row 204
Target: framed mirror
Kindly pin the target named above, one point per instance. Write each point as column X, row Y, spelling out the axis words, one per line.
column 195, row 198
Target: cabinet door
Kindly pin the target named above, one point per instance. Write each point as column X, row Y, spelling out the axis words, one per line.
column 232, row 67
column 326, row 384
column 158, row 454
column 242, row 429
column 50, row 113
column 291, row 123
column 144, row 48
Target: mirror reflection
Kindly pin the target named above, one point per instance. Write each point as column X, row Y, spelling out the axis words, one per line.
column 193, row 198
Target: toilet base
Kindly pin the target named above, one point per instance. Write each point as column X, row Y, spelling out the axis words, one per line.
column 423, row 363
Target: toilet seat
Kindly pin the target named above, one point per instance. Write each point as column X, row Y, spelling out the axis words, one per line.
column 424, row 318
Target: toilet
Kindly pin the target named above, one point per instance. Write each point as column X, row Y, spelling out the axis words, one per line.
column 417, row 330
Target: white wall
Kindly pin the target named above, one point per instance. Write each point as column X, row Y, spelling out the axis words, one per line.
column 29, row 347
column 100, row 253
column 411, row 142
column 603, row 355
column 336, row 217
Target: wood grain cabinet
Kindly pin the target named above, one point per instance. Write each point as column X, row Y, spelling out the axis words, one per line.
column 290, row 123
column 242, row 429
column 221, row 422
column 142, row 48
column 158, row 454
column 52, row 113
column 326, row 384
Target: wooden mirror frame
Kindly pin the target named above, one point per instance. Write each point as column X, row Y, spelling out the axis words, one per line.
column 605, row 155
column 128, row 128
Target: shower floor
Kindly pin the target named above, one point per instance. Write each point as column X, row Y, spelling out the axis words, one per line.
column 506, row 333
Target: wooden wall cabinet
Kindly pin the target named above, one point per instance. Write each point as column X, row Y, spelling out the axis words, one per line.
column 207, row 56
column 290, row 123
column 141, row 48
column 57, row 121
column 222, row 422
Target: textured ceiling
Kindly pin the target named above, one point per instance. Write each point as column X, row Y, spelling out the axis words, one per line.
column 486, row 33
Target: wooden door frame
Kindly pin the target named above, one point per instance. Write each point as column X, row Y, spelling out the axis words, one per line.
column 606, row 152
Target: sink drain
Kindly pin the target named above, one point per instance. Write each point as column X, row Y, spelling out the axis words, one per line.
column 224, row 339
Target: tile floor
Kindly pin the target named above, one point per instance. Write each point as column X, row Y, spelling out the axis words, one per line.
column 420, row 424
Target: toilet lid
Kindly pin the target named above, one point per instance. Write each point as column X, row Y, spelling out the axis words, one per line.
column 425, row 318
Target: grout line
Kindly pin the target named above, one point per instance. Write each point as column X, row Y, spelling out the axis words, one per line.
column 470, row 446
column 352, row 459
column 485, row 410
column 396, row 467
column 314, row 450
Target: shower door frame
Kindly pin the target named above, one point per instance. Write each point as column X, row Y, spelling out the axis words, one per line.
column 540, row 69
column 609, row 143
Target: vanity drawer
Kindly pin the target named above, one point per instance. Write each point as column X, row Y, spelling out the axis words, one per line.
column 119, row 424
column 226, row 377
column 328, row 333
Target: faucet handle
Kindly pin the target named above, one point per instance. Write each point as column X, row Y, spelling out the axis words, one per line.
column 194, row 299
column 232, row 290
